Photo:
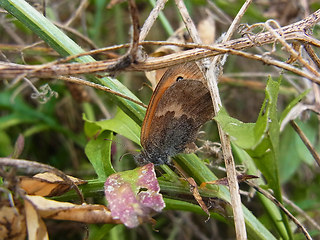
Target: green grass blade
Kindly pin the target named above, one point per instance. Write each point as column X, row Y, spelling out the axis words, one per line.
column 65, row 46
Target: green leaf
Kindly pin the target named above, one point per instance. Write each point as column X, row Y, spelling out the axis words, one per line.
column 260, row 139
column 6, row 147
column 98, row 151
column 14, row 119
column 240, row 133
column 173, row 204
column 269, row 162
column 98, row 232
column 293, row 103
column 40, row 119
column 289, row 159
column 91, row 129
column 121, row 124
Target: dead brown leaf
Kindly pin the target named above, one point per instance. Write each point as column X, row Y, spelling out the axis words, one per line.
column 47, row 184
column 12, row 222
column 37, row 230
column 196, row 195
column 85, row 213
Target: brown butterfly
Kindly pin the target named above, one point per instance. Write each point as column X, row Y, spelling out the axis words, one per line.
column 179, row 106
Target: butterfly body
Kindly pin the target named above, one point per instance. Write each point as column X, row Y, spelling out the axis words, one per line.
column 179, row 106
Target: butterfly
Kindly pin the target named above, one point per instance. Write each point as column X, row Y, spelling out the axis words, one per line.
column 179, row 106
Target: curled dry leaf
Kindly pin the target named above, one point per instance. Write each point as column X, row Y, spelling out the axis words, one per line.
column 12, row 222
column 47, row 184
column 133, row 196
column 85, row 213
column 37, row 230
column 195, row 192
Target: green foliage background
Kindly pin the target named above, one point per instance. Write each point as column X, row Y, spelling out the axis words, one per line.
column 72, row 136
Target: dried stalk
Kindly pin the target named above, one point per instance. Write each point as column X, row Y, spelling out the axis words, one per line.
column 212, row 75
column 306, row 142
column 296, row 31
column 301, row 212
column 99, row 87
column 277, row 203
column 151, row 19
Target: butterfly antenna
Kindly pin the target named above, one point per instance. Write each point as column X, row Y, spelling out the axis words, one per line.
column 111, row 140
column 123, row 145
column 125, row 154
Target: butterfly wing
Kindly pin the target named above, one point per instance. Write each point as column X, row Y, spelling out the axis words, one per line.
column 179, row 112
column 188, row 70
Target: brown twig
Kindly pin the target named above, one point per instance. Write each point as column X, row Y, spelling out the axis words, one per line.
column 133, row 51
column 278, row 204
column 194, row 189
column 36, row 167
column 295, row 31
column 10, row 70
column 301, row 212
column 212, row 75
column 151, row 19
column 100, row 87
column 278, row 37
column 312, row 54
column 82, row 6
column 306, row 142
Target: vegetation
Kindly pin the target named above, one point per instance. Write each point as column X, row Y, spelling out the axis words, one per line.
column 81, row 116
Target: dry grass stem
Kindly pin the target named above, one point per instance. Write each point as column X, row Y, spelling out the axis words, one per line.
column 278, row 204
column 99, row 87
column 312, row 54
column 211, row 75
column 293, row 32
column 82, row 6
column 306, row 142
column 301, row 212
column 151, row 19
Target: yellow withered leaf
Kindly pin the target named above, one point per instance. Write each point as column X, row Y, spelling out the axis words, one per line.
column 47, row 184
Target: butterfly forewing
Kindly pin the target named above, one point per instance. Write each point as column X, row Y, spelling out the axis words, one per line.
column 179, row 106
column 188, row 70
